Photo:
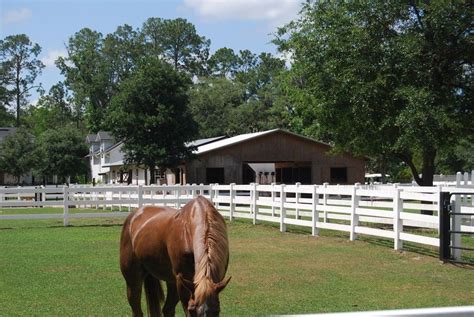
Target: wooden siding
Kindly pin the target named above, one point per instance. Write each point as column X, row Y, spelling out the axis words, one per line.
column 275, row 147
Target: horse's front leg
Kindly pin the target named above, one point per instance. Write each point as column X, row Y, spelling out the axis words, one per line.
column 184, row 297
column 172, row 299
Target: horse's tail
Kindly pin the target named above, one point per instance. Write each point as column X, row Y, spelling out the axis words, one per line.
column 154, row 295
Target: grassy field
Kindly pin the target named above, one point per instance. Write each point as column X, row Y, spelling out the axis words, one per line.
column 47, row 269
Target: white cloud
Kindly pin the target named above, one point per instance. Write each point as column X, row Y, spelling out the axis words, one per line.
column 275, row 12
column 34, row 102
column 287, row 57
column 16, row 16
column 52, row 56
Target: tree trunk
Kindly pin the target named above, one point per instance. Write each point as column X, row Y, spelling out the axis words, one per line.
column 18, row 94
column 152, row 174
column 428, row 170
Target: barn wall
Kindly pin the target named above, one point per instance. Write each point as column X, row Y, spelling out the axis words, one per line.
column 275, row 147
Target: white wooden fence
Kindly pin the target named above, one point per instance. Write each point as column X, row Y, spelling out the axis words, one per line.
column 386, row 211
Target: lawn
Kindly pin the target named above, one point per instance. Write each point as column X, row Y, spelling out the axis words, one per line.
column 47, row 269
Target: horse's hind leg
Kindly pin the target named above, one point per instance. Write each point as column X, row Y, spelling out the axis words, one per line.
column 172, row 300
column 134, row 294
column 154, row 294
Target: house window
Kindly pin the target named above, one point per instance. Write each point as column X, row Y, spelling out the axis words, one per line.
column 338, row 174
column 96, row 160
column 215, row 175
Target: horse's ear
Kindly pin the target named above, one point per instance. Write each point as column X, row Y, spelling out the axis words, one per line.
column 189, row 285
column 222, row 284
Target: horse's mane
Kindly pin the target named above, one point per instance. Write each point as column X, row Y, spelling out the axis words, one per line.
column 213, row 263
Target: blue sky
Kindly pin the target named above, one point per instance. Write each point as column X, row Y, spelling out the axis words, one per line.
column 238, row 24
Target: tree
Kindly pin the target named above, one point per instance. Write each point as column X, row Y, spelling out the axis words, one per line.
column 177, row 42
column 16, row 153
column 6, row 118
column 224, row 63
column 123, row 49
column 150, row 114
column 389, row 80
column 212, row 102
column 19, row 69
column 61, row 152
column 87, row 74
column 53, row 111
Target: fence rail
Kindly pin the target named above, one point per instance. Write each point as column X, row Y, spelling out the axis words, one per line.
column 386, row 211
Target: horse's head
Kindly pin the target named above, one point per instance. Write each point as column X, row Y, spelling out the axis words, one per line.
column 206, row 305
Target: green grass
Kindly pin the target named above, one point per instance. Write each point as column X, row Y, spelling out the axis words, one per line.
column 47, row 269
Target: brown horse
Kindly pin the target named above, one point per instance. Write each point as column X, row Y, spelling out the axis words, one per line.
column 186, row 248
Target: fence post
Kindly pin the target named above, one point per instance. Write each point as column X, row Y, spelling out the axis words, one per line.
column 66, row 206
column 178, row 194
column 193, row 191
column 315, row 215
column 120, row 200
column 472, row 196
column 397, row 222
column 297, row 198
column 211, row 193
column 456, row 237
column 444, row 227
column 254, row 203
column 282, row 208
column 273, row 199
column 96, row 198
column 112, row 198
column 140, row 195
column 354, row 216
column 43, row 195
column 216, row 196
column 325, row 202
column 231, row 203
column 1, row 194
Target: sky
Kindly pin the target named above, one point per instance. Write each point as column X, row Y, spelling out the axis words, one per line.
column 237, row 24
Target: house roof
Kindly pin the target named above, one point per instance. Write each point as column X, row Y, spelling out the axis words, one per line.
column 91, row 138
column 118, row 163
column 103, row 135
column 245, row 137
column 110, row 148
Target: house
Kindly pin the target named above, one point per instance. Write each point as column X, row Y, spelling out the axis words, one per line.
column 107, row 164
column 272, row 156
column 7, row 179
column 264, row 157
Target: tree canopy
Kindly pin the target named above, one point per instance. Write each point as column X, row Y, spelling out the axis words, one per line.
column 391, row 80
column 16, row 156
column 60, row 152
column 150, row 114
column 19, row 68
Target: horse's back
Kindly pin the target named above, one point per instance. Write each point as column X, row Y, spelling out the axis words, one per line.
column 149, row 226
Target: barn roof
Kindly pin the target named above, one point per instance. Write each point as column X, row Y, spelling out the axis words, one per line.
column 243, row 138
column 201, row 142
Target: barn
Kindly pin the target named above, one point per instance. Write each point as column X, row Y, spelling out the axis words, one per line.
column 271, row 156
